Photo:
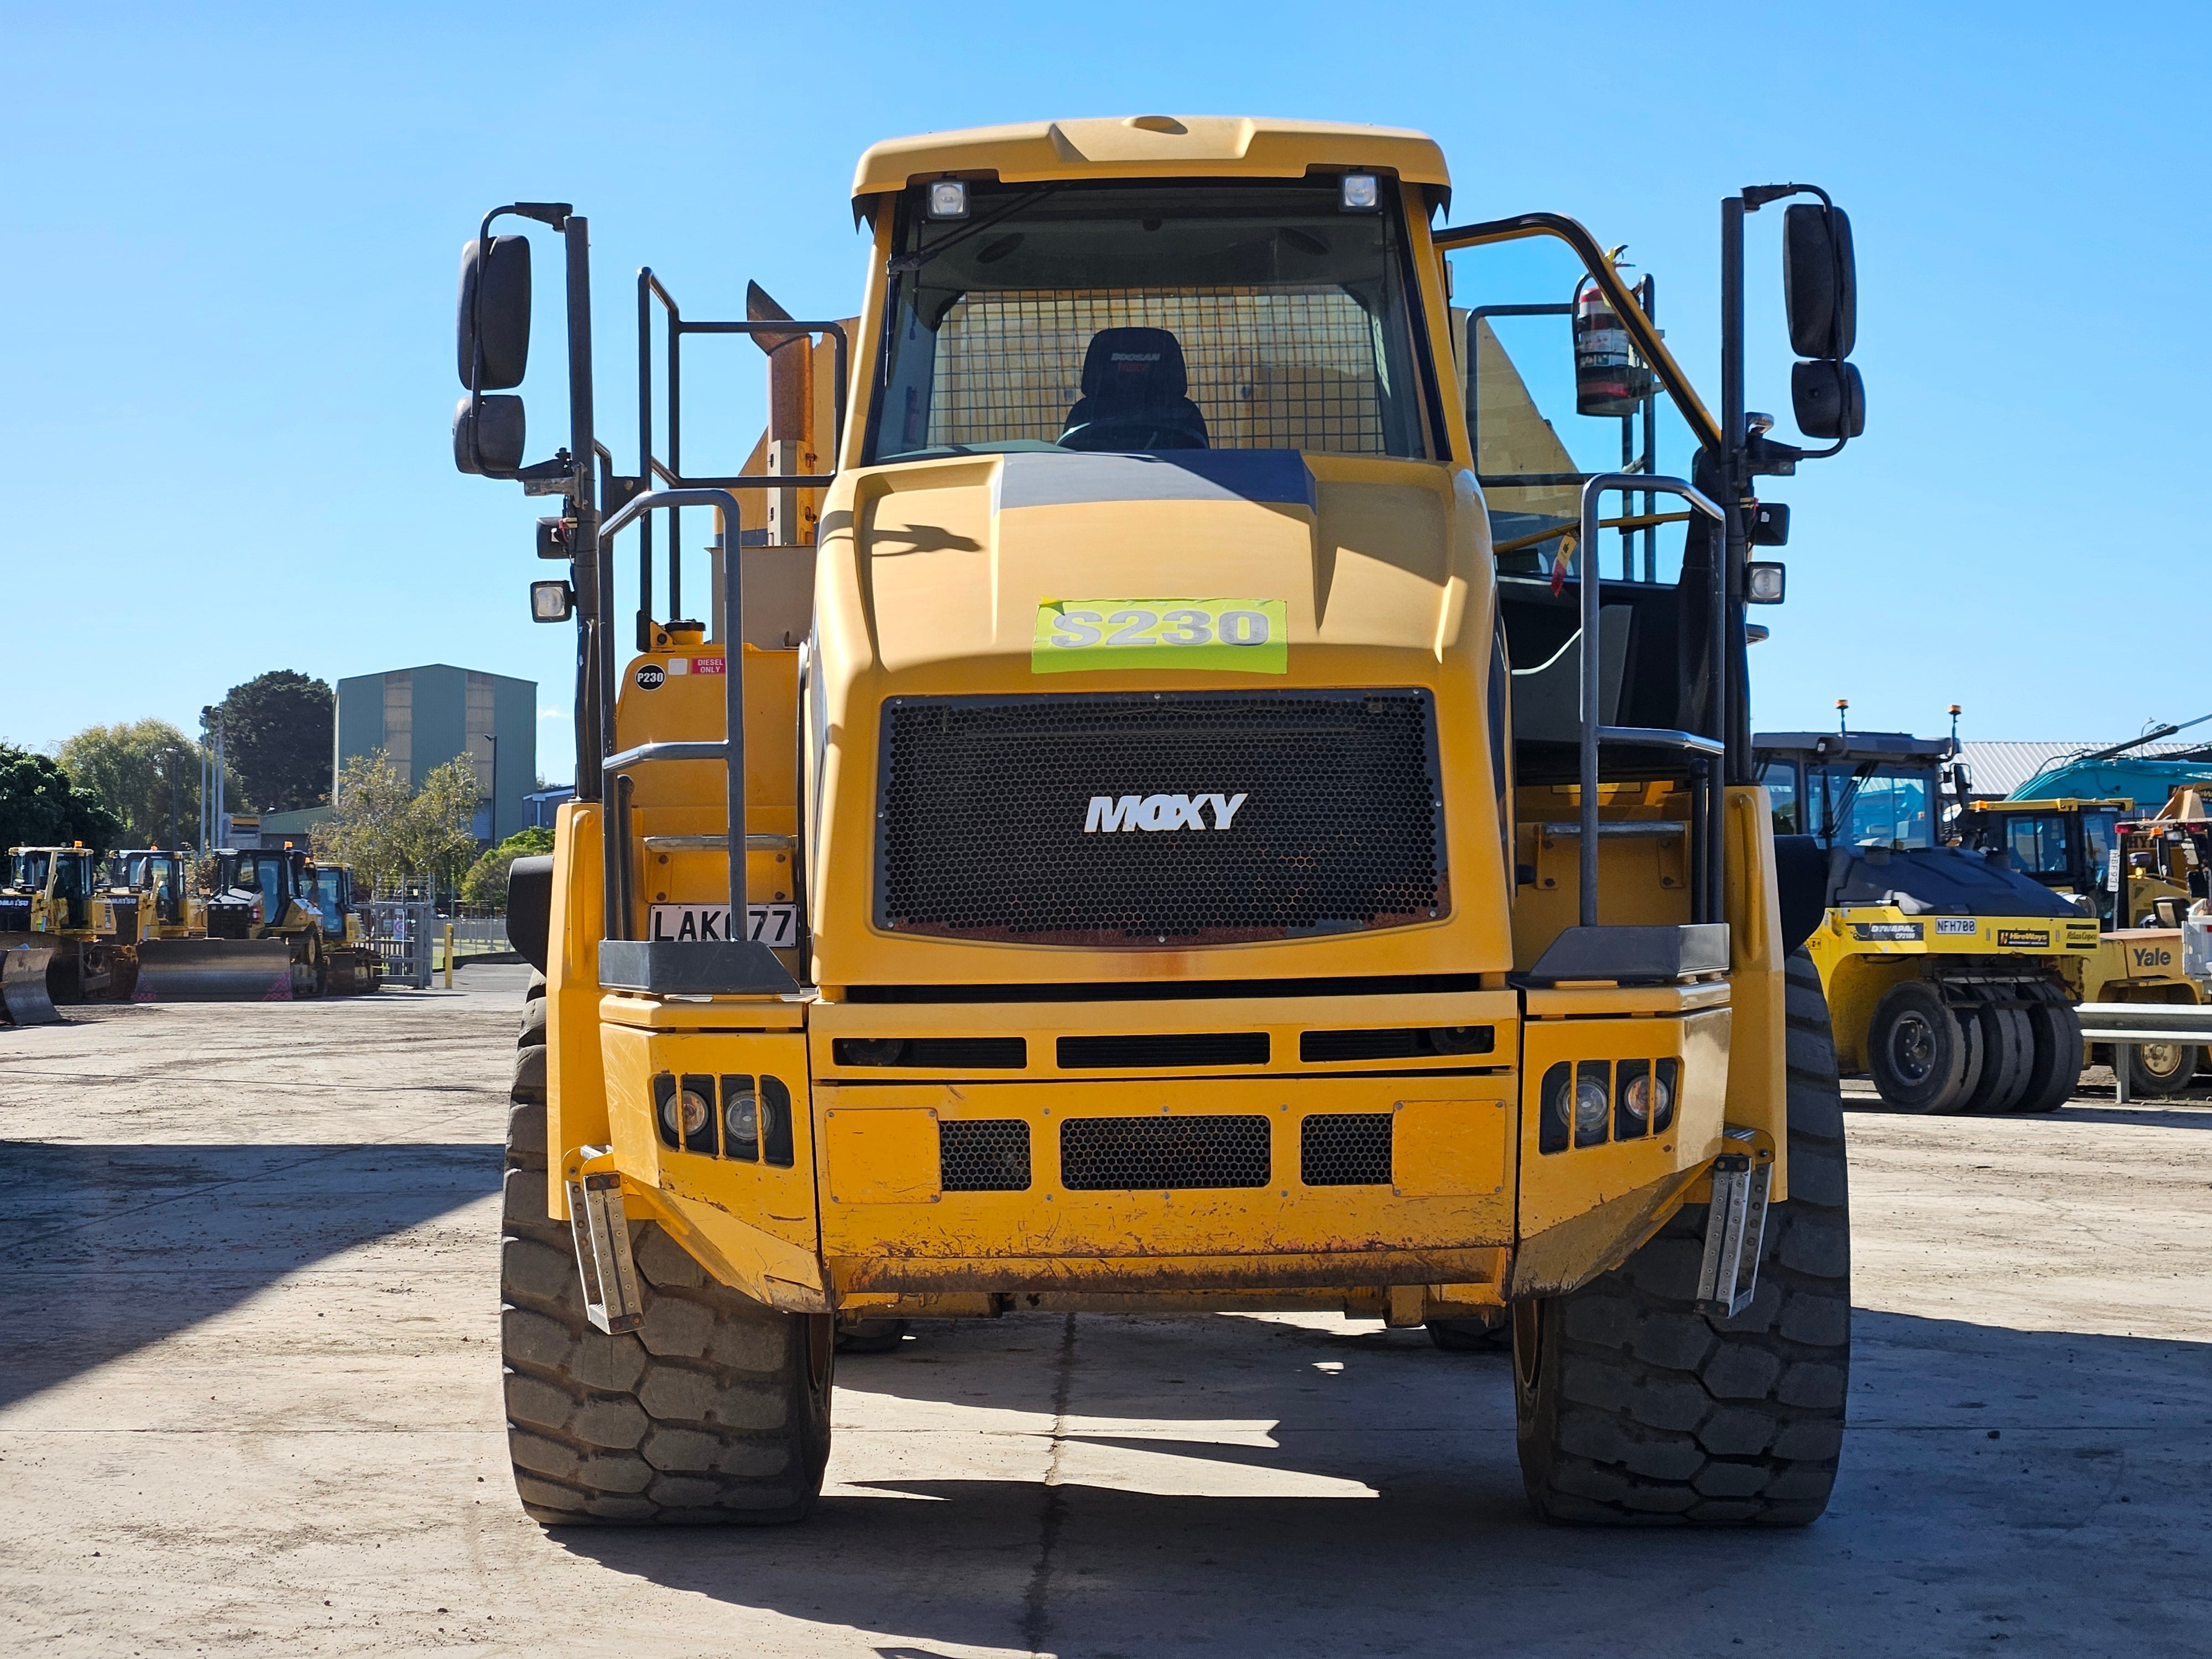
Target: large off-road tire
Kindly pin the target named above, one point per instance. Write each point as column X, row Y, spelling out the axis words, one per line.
column 715, row 1411
column 2160, row 1068
column 1634, row 1409
column 2058, row 1069
column 1923, row 1058
column 2008, row 1055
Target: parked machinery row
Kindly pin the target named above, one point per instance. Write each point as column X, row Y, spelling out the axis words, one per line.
column 135, row 925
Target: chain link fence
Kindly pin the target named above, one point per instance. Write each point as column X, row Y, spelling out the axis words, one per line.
column 404, row 932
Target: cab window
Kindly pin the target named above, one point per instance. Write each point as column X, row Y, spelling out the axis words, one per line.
column 2037, row 842
column 1780, row 778
column 1873, row 806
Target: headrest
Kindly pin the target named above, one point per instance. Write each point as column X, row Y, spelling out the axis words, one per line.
column 1134, row 367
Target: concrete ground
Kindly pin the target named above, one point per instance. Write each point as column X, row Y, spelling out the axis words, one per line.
column 249, row 1403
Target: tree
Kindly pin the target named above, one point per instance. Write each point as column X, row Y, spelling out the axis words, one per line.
column 277, row 732
column 40, row 806
column 147, row 774
column 486, row 881
column 386, row 832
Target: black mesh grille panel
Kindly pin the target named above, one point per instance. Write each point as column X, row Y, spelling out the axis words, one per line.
column 1194, row 817
column 1164, row 1049
column 989, row 1156
column 1345, row 1149
column 1397, row 1042
column 1130, row 1154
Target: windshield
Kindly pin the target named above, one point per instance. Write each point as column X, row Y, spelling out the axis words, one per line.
column 1164, row 316
column 2037, row 842
column 328, row 900
column 1868, row 805
column 31, row 870
column 1555, row 392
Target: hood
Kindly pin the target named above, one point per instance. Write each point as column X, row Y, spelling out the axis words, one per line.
column 1940, row 880
column 954, row 558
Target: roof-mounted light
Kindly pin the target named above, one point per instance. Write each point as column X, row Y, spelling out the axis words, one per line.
column 948, row 198
column 1361, row 193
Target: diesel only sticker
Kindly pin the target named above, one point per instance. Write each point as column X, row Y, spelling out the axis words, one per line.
column 765, row 924
column 652, row 675
column 1244, row 637
column 1892, row 932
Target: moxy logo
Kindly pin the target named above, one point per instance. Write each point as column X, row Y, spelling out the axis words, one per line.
column 1159, row 812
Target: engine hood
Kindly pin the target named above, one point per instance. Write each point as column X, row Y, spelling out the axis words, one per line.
column 948, row 562
column 1942, row 881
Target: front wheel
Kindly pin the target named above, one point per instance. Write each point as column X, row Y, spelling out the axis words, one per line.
column 715, row 1411
column 1631, row 1407
column 2160, row 1068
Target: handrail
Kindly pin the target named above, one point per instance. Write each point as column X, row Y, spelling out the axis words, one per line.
column 731, row 751
column 1590, row 582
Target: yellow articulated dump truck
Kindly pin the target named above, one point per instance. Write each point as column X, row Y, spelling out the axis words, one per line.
column 1127, row 840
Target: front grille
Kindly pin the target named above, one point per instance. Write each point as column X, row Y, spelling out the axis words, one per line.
column 1397, row 1042
column 934, row 1053
column 227, row 920
column 1161, row 1154
column 1345, row 1149
column 1332, row 802
column 991, row 1155
column 1164, row 1049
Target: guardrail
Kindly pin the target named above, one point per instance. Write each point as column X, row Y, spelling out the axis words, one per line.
column 2125, row 1024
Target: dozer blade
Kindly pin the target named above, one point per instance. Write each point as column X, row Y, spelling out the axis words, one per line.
column 23, row 983
column 350, row 970
column 214, row 971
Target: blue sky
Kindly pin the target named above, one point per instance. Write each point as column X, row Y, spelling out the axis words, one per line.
column 228, row 253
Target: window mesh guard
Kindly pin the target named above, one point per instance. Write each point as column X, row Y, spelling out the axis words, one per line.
column 1285, row 367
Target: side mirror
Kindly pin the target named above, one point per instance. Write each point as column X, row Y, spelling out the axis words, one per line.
column 493, row 443
column 493, row 323
column 1819, row 282
column 1828, row 400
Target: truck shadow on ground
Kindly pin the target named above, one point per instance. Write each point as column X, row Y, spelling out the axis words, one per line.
column 1259, row 1487
column 106, row 1249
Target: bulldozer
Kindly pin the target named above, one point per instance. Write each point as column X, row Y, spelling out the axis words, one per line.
column 2138, row 876
column 269, row 895
column 55, row 901
column 1123, row 840
column 1950, row 974
column 195, row 948
column 351, row 964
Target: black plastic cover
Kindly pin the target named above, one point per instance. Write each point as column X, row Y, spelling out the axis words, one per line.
column 1819, row 281
column 1634, row 955
column 1801, row 881
column 530, row 908
column 504, row 313
column 1938, row 881
column 693, row 967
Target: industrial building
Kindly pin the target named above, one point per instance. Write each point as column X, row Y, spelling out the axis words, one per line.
column 422, row 717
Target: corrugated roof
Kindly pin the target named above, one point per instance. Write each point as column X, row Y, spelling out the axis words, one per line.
column 1998, row 769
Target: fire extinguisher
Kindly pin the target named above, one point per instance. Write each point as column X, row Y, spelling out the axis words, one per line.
column 1609, row 377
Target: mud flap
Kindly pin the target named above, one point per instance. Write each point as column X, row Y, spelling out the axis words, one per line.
column 601, row 1229
column 214, row 971
column 1735, row 1224
column 23, row 985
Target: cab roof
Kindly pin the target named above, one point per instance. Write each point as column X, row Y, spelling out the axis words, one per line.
column 1853, row 746
column 1153, row 147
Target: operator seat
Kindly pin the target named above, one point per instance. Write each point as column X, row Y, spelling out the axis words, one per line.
column 1134, row 387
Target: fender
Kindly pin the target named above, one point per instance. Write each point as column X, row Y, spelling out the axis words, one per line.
column 530, row 908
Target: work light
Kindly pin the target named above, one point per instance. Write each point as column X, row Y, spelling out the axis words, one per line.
column 1763, row 582
column 948, row 198
column 1361, row 194
column 551, row 601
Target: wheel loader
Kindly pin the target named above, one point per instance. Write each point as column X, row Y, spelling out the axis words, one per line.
column 1123, row 840
column 2138, row 876
column 1950, row 976
column 55, row 901
column 194, row 947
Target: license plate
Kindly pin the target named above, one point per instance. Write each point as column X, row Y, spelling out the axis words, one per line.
column 767, row 924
